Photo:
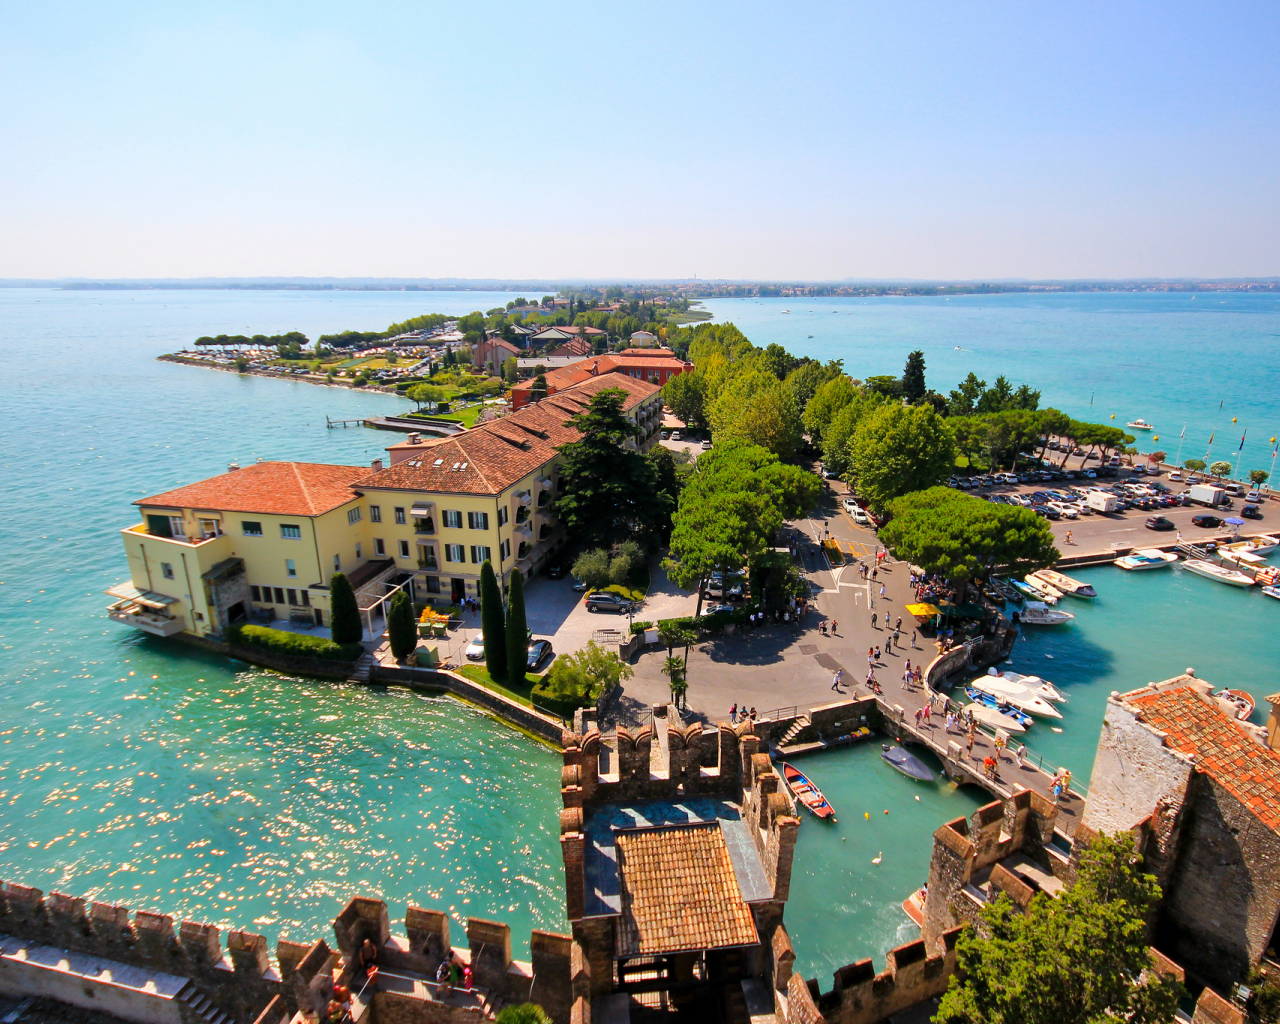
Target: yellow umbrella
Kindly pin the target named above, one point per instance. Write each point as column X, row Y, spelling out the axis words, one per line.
column 923, row 611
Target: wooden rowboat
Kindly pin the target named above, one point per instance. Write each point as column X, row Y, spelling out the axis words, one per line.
column 807, row 793
column 913, row 906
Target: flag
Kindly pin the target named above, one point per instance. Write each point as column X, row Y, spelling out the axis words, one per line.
column 1211, row 438
column 1184, row 432
column 1241, row 448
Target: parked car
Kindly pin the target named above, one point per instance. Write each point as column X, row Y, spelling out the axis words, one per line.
column 539, row 651
column 1254, row 497
column 1210, row 522
column 860, row 517
column 606, row 601
column 664, row 435
column 474, row 651
column 706, row 443
column 849, row 505
column 555, row 571
column 1159, row 523
column 1251, row 512
column 711, row 609
column 1176, row 475
column 579, row 584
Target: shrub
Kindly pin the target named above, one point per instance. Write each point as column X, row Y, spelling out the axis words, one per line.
column 620, row 570
column 344, row 614
column 402, row 630
column 640, row 627
column 577, row 680
column 296, row 644
column 592, row 567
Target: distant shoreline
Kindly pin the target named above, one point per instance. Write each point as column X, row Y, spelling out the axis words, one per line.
column 319, row 379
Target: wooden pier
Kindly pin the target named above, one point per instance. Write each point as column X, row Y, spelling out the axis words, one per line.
column 331, row 423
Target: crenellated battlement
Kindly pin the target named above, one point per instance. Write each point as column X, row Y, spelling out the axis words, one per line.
column 76, row 951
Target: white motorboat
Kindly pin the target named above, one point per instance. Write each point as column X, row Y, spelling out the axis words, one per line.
column 1263, row 544
column 994, row 718
column 1037, row 613
column 1210, row 570
column 1040, row 687
column 1272, row 592
column 1039, row 591
column 1241, row 556
column 1048, row 578
column 1015, row 696
column 1140, row 424
column 1150, row 558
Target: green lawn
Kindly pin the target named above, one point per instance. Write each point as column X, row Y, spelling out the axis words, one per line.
column 520, row 693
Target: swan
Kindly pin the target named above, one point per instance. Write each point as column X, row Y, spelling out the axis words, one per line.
column 878, row 857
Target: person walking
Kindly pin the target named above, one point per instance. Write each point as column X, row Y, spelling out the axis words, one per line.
column 951, row 721
column 919, row 714
column 882, row 590
column 733, row 714
column 928, row 711
column 877, row 654
column 888, row 645
column 873, row 620
column 897, row 638
column 906, row 678
column 913, row 639
column 835, row 682
column 1020, row 753
column 969, row 745
column 833, row 628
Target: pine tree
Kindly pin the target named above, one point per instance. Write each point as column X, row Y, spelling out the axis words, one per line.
column 517, row 630
column 913, row 387
column 402, row 631
column 344, row 614
column 491, row 623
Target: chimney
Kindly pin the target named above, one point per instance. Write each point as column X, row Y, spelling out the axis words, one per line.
column 415, row 439
column 376, row 465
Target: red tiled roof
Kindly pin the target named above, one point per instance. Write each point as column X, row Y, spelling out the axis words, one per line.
column 567, row 376
column 1194, row 725
column 273, row 488
column 500, row 453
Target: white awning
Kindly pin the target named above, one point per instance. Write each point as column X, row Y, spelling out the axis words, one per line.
column 421, row 508
column 147, row 598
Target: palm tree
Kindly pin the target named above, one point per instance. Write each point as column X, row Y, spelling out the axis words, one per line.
column 673, row 669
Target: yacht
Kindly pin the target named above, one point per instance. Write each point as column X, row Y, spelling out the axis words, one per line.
column 1151, row 558
column 1015, row 696
column 1060, row 582
column 1037, row 613
column 1216, row 572
column 1040, row 687
column 1140, row 424
column 995, row 718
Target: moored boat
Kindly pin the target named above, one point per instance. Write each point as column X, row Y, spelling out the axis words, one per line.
column 1015, row 696
column 1210, row 570
column 995, row 718
column 1262, row 544
column 1005, row 590
column 1034, row 593
column 807, row 793
column 1140, row 424
column 1060, row 582
column 1272, row 592
column 910, row 765
column 1236, row 702
column 1150, row 558
column 1040, row 687
column 992, row 703
column 913, row 905
column 1037, row 613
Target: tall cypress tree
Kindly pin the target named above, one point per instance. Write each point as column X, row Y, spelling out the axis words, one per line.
column 913, row 387
column 517, row 630
column 344, row 614
column 402, row 631
column 491, row 623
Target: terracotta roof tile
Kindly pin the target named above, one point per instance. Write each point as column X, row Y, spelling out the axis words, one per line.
column 272, row 488
column 498, row 454
column 1194, row 725
column 679, row 892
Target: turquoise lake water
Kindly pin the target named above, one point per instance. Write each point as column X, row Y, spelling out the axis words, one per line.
column 135, row 770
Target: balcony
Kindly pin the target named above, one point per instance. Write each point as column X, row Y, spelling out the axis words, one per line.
column 193, row 542
column 523, row 530
column 144, row 609
column 546, row 483
column 424, row 526
column 524, row 497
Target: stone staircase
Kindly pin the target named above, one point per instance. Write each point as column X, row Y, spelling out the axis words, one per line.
column 202, row 1006
column 794, row 730
column 360, row 674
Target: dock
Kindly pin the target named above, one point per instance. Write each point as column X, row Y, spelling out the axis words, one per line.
column 403, row 424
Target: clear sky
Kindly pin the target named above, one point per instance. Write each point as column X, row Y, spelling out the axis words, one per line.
column 734, row 140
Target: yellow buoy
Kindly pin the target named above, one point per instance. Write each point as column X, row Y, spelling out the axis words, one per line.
column 867, row 815
column 1233, row 419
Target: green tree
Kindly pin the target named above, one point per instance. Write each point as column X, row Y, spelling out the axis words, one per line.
column 963, row 538
column 524, row 1013
column 510, row 370
column 827, row 401
column 1220, row 468
column 998, row 397
column 426, row 394
column 607, row 489
column 803, row 382
column 1195, row 465
column 344, row 614
column 1082, row 958
column 755, row 407
column 899, row 449
column 517, row 630
column 964, row 400
column 884, row 384
column 1258, row 477
column 685, row 395
column 492, row 624
column 539, row 389
column 913, row 386
column 674, row 670
column 592, row 567
column 584, row 675
column 839, row 432
column 402, row 631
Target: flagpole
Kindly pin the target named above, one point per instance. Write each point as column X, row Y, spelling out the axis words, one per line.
column 1240, row 454
column 1178, row 460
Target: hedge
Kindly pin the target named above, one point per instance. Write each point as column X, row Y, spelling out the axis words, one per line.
column 640, row 627
column 297, row 645
column 562, row 706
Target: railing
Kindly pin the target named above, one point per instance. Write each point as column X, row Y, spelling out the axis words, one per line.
column 779, row 713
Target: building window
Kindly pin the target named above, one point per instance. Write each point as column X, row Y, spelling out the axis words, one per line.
column 337, row 563
column 254, row 593
column 279, row 595
column 400, row 516
column 478, row 520
column 358, row 554
column 290, row 568
column 251, row 529
column 452, row 519
column 175, row 525
column 353, row 515
column 375, row 513
column 505, row 550
column 433, row 584
column 503, row 515
column 404, row 549
column 293, row 596
column 378, row 547
column 290, row 532
column 306, row 599
column 479, row 553
column 455, row 553
column 166, row 570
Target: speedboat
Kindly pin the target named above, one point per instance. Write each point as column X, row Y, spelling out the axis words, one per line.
column 1150, row 558
column 1040, row 687
column 1241, row 556
column 1015, row 696
column 1037, row 613
column 1263, row 544
column 1212, row 571
column 807, row 793
column 1235, row 702
column 1061, row 582
column 994, row 717
column 910, row 765
column 1140, row 424
column 998, row 705
column 1272, row 592
column 1027, row 590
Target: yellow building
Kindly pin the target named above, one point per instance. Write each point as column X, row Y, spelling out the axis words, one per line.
column 261, row 542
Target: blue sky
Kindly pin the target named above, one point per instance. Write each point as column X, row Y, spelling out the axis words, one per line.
column 737, row 140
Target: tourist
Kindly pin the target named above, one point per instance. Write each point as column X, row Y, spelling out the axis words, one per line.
column 1056, row 789
column 466, row 977
column 1178, row 539
column 442, row 980
column 969, row 747
column 989, row 766
column 882, row 590
column 1020, row 753
column 897, row 638
column 1068, row 538
column 835, row 682
column 874, row 574
column 908, row 666
column 919, row 715
column 928, row 711
column 888, row 645
column 753, row 714
column 873, row 620
column 733, row 714
column 368, row 958
column 833, row 628
column 877, row 654
column 951, row 720
column 999, row 744
column 913, row 639
column 1065, row 776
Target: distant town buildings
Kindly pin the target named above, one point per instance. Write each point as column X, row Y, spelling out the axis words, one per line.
column 657, row 366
